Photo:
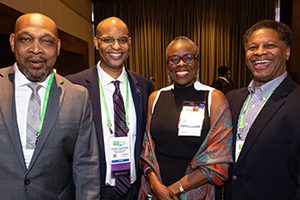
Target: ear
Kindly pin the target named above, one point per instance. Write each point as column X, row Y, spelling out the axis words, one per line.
column 288, row 52
column 58, row 46
column 96, row 43
column 129, row 41
column 12, row 39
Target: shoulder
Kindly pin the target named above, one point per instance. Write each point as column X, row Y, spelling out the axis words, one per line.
column 70, row 87
column 138, row 77
column 236, row 93
column 82, row 75
column 6, row 70
column 140, row 81
column 200, row 86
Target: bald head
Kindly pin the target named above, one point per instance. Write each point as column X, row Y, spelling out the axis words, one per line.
column 112, row 24
column 36, row 20
column 35, row 45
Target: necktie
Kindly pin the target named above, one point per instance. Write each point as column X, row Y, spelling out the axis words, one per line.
column 121, row 129
column 33, row 115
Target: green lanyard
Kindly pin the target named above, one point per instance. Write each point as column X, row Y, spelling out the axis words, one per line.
column 45, row 102
column 242, row 115
column 106, row 107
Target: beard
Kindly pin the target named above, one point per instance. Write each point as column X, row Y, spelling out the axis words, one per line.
column 36, row 75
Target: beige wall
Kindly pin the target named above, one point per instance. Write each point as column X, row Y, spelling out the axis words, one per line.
column 71, row 16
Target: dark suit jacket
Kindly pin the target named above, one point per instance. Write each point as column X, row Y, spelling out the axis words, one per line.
column 268, row 167
column 140, row 88
column 66, row 149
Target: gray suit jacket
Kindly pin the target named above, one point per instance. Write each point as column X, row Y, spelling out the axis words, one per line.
column 65, row 162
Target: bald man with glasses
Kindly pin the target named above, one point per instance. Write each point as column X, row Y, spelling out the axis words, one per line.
column 108, row 83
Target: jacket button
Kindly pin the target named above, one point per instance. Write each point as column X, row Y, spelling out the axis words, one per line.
column 234, row 177
column 27, row 181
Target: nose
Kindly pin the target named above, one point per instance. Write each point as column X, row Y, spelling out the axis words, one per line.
column 36, row 47
column 260, row 50
column 116, row 45
column 181, row 62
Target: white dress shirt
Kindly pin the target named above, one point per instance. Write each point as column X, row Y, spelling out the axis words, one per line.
column 109, row 88
column 22, row 96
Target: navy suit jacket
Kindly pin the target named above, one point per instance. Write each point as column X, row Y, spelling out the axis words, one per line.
column 268, row 166
column 140, row 90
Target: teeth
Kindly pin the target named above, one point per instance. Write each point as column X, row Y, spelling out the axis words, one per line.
column 182, row 73
column 115, row 54
column 262, row 61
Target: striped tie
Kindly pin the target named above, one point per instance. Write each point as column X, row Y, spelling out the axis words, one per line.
column 33, row 115
column 121, row 130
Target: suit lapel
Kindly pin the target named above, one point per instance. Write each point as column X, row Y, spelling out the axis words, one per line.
column 54, row 104
column 8, row 112
column 136, row 95
column 267, row 112
column 91, row 83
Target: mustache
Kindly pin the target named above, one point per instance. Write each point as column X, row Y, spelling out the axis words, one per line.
column 36, row 59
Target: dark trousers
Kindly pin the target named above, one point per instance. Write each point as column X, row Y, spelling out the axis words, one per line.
column 109, row 193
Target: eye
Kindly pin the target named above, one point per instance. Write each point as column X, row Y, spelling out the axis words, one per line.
column 24, row 39
column 189, row 58
column 270, row 46
column 251, row 48
column 174, row 59
column 107, row 40
column 47, row 41
column 123, row 40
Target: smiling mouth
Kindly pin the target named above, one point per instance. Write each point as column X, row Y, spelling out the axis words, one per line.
column 181, row 73
column 115, row 55
column 261, row 64
column 258, row 62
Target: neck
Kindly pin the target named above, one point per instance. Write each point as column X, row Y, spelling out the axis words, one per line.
column 186, row 85
column 113, row 72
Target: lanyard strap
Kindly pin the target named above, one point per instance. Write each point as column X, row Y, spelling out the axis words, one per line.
column 106, row 106
column 45, row 102
column 242, row 115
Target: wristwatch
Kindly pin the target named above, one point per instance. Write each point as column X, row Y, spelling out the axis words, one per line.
column 180, row 187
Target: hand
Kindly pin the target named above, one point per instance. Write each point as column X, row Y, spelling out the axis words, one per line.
column 162, row 192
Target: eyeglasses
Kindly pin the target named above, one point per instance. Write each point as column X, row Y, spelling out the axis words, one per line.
column 187, row 58
column 110, row 40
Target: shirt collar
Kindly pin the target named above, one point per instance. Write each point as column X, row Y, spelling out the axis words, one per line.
column 265, row 90
column 21, row 80
column 106, row 79
column 222, row 77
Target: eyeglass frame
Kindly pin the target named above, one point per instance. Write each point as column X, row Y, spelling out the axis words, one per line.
column 114, row 40
column 195, row 57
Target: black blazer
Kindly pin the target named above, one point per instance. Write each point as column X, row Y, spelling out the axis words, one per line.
column 140, row 88
column 269, row 164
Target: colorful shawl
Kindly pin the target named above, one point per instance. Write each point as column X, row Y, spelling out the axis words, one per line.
column 213, row 158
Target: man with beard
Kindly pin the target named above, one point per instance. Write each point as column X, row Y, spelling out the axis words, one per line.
column 48, row 144
column 266, row 120
column 119, row 100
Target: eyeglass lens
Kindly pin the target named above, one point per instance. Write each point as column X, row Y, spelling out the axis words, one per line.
column 188, row 58
column 111, row 40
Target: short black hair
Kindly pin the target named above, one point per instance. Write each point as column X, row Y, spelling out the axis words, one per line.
column 222, row 70
column 285, row 33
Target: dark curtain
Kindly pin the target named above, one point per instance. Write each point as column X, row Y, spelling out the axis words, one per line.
column 216, row 26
